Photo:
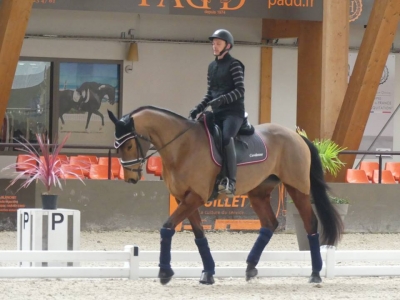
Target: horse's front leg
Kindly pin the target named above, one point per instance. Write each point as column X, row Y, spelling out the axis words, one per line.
column 207, row 275
column 260, row 202
column 189, row 204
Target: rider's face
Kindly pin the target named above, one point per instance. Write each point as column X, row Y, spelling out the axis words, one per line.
column 218, row 45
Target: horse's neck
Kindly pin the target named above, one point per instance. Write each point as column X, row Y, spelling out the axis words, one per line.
column 162, row 129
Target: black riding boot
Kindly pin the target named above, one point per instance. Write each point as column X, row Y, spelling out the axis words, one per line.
column 228, row 184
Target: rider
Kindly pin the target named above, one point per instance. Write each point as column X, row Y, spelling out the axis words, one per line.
column 225, row 95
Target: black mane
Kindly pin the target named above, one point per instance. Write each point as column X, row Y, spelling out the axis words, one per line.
column 169, row 112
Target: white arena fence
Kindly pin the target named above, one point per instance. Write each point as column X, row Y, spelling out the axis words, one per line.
column 135, row 263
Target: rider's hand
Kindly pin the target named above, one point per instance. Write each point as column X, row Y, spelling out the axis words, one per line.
column 193, row 113
column 216, row 102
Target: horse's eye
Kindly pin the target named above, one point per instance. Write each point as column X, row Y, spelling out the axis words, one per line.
column 130, row 147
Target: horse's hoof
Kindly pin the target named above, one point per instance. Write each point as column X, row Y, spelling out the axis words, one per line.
column 315, row 278
column 251, row 273
column 207, row 278
column 165, row 275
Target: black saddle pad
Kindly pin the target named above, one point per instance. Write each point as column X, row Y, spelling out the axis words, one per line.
column 250, row 149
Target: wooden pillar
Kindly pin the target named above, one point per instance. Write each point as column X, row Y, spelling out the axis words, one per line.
column 309, row 78
column 335, row 54
column 265, row 85
column 322, row 69
column 271, row 29
column 364, row 82
column 14, row 16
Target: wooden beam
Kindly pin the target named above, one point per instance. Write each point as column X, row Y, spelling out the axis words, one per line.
column 309, row 78
column 14, row 17
column 279, row 29
column 265, row 85
column 364, row 82
column 335, row 54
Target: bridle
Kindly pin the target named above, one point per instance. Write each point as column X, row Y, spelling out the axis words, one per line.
column 126, row 164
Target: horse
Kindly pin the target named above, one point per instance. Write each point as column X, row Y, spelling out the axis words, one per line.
column 66, row 103
column 88, row 97
column 190, row 171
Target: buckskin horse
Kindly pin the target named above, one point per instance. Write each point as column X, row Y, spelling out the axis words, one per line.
column 191, row 165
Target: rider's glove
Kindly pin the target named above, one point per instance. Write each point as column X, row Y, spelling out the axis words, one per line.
column 194, row 112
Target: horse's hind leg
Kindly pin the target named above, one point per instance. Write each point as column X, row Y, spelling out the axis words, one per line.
column 303, row 205
column 100, row 115
column 260, row 199
column 89, row 115
column 204, row 250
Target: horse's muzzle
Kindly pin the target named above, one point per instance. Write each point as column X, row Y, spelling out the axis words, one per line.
column 131, row 180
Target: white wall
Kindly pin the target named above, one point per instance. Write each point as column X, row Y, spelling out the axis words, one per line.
column 174, row 75
column 167, row 75
column 284, row 86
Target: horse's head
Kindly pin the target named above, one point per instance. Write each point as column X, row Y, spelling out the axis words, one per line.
column 109, row 91
column 132, row 147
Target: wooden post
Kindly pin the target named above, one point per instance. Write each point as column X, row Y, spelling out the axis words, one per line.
column 265, row 85
column 309, row 78
column 14, row 17
column 335, row 54
column 364, row 81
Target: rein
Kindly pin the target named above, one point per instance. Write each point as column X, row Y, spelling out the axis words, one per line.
column 141, row 160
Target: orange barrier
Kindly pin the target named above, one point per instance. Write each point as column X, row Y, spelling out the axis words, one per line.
column 387, row 177
column 115, row 164
column 369, row 167
column 25, row 162
column 356, row 176
column 154, row 166
column 394, row 167
column 83, row 162
column 99, row 172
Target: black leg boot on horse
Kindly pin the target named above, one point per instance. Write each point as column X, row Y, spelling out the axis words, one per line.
column 208, row 262
column 227, row 185
column 165, row 274
column 316, row 260
column 255, row 253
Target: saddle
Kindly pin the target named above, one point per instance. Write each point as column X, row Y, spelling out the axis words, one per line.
column 250, row 148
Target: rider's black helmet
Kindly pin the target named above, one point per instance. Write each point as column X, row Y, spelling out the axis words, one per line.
column 223, row 34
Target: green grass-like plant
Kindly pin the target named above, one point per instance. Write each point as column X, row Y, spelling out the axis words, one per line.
column 328, row 152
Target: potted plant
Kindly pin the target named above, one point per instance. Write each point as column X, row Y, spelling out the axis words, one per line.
column 329, row 154
column 44, row 166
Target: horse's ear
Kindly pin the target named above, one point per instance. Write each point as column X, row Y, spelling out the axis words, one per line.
column 112, row 117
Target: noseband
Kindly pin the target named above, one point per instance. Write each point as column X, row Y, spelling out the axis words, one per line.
column 141, row 160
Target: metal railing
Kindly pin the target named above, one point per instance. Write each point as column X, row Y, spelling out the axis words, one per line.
column 37, row 146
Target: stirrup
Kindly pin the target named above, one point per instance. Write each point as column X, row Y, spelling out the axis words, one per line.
column 227, row 187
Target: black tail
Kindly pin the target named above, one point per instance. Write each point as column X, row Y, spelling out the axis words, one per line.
column 331, row 222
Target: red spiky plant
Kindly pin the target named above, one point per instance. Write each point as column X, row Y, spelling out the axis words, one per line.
column 48, row 170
